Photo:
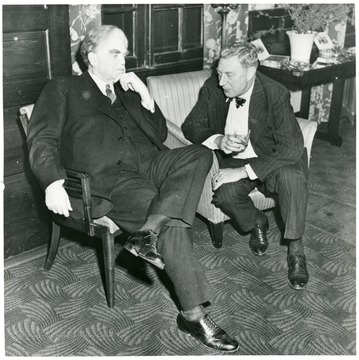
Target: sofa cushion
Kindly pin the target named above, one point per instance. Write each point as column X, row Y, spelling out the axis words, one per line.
column 176, row 94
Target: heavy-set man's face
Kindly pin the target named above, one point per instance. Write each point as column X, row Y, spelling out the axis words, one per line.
column 234, row 79
column 108, row 58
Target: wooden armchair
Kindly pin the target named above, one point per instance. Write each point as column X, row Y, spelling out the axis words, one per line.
column 176, row 94
column 78, row 186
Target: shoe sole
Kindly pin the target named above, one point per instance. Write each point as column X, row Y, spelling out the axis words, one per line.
column 259, row 254
column 263, row 253
column 298, row 288
column 157, row 264
column 206, row 346
column 133, row 251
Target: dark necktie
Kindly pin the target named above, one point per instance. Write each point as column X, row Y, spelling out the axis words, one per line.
column 110, row 94
column 239, row 101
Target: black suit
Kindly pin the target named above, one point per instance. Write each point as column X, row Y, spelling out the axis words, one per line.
column 281, row 165
column 133, row 175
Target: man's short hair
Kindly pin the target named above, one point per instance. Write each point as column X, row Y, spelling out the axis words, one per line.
column 246, row 52
column 94, row 36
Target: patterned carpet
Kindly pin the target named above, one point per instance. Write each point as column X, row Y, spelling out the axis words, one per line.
column 63, row 312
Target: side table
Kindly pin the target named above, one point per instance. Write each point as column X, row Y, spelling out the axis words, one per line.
column 305, row 80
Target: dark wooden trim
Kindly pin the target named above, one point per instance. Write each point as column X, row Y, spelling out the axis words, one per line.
column 14, row 15
column 314, row 77
column 179, row 67
column 59, row 37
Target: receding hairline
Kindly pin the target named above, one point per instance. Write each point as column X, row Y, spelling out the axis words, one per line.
column 95, row 36
column 245, row 53
column 112, row 32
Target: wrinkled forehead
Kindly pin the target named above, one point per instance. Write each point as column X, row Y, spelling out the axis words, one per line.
column 115, row 40
column 230, row 64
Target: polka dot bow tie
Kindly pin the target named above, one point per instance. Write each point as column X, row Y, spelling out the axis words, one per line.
column 239, row 101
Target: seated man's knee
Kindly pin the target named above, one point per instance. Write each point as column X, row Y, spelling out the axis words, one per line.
column 204, row 153
column 222, row 197
column 291, row 177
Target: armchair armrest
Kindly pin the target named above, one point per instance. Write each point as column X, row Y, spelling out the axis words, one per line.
column 177, row 133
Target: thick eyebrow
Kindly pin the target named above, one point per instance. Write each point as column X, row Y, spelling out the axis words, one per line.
column 115, row 51
column 225, row 72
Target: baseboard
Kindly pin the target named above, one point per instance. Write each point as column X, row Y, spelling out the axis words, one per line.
column 31, row 255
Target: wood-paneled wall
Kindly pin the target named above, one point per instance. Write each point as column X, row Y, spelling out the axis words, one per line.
column 36, row 47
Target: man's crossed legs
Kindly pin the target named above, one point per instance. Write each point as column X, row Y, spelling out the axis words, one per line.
column 159, row 202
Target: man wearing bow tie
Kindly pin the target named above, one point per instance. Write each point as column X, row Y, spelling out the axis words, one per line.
column 247, row 118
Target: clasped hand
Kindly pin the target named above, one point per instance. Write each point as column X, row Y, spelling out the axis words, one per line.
column 228, row 175
column 232, row 143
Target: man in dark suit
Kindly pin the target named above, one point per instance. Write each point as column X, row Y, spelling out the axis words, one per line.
column 105, row 123
column 249, row 119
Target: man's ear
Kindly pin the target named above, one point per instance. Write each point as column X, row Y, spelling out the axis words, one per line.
column 251, row 72
column 92, row 58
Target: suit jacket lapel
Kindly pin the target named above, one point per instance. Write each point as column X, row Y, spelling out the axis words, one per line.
column 223, row 108
column 257, row 111
column 131, row 103
column 93, row 95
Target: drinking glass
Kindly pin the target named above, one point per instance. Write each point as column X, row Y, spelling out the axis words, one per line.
column 243, row 137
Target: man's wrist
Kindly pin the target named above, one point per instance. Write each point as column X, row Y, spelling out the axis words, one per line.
column 55, row 184
column 251, row 174
column 244, row 172
column 148, row 104
column 218, row 140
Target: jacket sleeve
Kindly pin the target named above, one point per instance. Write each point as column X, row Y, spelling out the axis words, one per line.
column 160, row 123
column 288, row 139
column 44, row 135
column 154, row 122
column 196, row 127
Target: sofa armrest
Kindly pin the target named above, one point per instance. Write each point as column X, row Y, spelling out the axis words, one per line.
column 177, row 133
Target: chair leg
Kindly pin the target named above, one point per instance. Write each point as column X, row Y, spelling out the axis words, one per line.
column 108, row 245
column 54, row 245
column 216, row 232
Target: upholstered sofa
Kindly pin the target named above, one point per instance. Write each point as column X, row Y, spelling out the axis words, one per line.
column 176, row 94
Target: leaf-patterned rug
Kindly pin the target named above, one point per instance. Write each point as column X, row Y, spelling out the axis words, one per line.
column 63, row 312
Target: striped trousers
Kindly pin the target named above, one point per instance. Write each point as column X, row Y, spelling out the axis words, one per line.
column 288, row 183
column 170, row 184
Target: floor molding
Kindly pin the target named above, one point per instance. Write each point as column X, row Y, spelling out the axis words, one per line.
column 32, row 254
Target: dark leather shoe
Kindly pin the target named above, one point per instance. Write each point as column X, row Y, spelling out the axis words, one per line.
column 143, row 244
column 208, row 333
column 258, row 242
column 298, row 276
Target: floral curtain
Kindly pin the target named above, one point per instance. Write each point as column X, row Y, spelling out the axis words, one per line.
column 85, row 17
column 237, row 28
column 82, row 19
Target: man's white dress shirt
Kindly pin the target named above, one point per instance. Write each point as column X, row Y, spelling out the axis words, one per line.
column 237, row 124
column 102, row 86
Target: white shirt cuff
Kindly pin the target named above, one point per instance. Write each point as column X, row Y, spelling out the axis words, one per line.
column 210, row 142
column 55, row 184
column 251, row 174
column 149, row 105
